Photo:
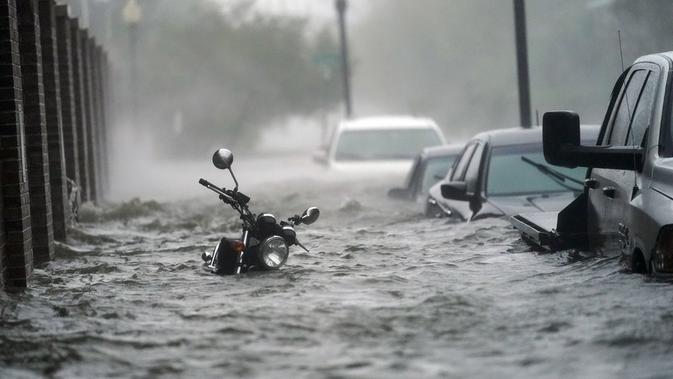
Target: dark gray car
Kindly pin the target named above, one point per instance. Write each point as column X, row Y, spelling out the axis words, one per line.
column 503, row 172
column 429, row 167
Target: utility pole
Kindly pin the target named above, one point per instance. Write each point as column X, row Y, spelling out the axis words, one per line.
column 341, row 7
column 522, row 62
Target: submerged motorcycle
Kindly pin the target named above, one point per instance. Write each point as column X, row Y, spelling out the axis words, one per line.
column 264, row 243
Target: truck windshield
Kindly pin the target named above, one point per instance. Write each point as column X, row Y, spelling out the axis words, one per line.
column 512, row 171
column 384, row 144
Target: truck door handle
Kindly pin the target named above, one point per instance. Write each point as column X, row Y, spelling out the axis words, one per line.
column 609, row 192
column 591, row 183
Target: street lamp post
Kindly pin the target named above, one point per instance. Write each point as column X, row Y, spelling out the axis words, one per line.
column 341, row 7
column 522, row 62
column 132, row 14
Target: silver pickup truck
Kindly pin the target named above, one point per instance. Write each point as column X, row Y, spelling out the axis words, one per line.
column 627, row 204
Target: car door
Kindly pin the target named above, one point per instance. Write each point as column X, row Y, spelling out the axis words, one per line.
column 610, row 191
column 638, row 225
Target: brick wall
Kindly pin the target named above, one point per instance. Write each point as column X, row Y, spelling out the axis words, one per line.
column 107, row 117
column 2, row 239
column 52, row 101
column 35, row 130
column 90, row 113
column 78, row 86
column 101, row 121
column 17, row 257
column 68, row 112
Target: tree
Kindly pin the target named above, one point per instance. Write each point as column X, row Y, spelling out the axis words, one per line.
column 209, row 77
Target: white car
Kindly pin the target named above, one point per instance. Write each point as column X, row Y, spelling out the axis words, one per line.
column 380, row 145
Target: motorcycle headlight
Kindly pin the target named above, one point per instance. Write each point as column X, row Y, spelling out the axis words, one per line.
column 273, row 252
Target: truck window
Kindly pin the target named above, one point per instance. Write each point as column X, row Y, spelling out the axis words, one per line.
column 643, row 113
column 461, row 165
column 384, row 144
column 624, row 112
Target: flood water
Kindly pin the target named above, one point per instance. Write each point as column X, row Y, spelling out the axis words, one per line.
column 383, row 293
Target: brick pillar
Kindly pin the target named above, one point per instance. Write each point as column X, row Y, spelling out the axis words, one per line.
column 78, row 85
column 17, row 257
column 68, row 112
column 2, row 227
column 100, row 120
column 89, row 112
column 52, row 102
column 36, row 130
column 108, row 120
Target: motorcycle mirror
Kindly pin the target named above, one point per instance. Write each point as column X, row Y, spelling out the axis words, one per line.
column 310, row 215
column 223, row 159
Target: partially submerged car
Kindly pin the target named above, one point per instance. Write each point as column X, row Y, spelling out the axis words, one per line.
column 502, row 173
column 380, row 145
column 626, row 207
column 429, row 167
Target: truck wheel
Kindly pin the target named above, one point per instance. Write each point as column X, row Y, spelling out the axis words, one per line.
column 638, row 263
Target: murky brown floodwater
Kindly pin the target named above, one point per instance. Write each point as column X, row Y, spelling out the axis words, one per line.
column 383, row 294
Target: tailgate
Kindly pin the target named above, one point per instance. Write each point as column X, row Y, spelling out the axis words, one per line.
column 555, row 230
column 538, row 228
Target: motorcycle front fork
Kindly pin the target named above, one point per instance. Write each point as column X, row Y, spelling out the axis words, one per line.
column 215, row 260
column 244, row 238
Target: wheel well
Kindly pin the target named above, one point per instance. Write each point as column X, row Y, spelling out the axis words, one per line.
column 638, row 264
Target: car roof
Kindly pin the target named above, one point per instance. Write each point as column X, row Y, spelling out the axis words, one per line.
column 442, row 151
column 388, row 122
column 667, row 55
column 522, row 136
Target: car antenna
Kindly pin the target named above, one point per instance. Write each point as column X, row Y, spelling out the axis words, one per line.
column 621, row 57
column 621, row 50
column 635, row 189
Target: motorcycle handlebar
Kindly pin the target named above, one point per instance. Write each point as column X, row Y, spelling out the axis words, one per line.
column 223, row 195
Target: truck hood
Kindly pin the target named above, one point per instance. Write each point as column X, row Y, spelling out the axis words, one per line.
column 512, row 205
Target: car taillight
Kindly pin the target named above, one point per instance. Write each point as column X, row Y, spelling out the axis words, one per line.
column 663, row 255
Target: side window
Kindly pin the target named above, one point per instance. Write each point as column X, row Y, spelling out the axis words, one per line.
column 461, row 165
column 642, row 116
column 624, row 112
column 472, row 173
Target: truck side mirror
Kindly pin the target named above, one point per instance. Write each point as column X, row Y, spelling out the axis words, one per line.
column 562, row 146
column 560, row 129
column 455, row 191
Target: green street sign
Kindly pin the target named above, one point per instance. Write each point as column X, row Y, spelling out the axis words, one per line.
column 327, row 59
